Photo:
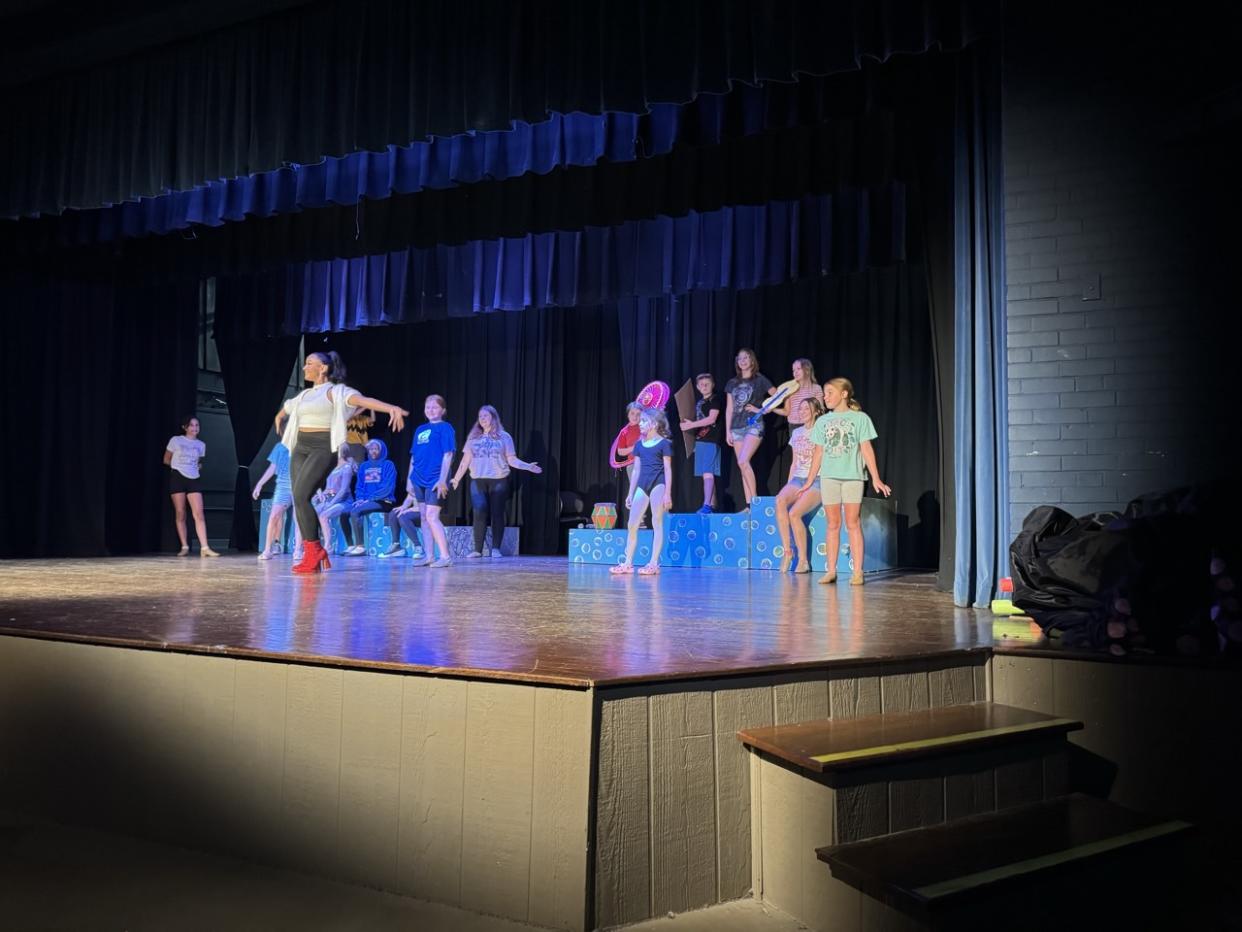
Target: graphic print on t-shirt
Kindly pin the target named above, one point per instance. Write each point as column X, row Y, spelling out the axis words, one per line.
column 700, row 412
column 372, row 473
column 423, row 435
column 840, row 438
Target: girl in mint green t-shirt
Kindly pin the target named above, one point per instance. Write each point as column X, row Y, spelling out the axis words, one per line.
column 842, row 440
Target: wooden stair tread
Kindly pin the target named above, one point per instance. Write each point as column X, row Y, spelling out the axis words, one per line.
column 844, row 744
column 924, row 869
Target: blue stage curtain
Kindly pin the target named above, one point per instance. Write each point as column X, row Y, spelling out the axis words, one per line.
column 850, row 111
column 331, row 78
column 980, row 437
column 734, row 247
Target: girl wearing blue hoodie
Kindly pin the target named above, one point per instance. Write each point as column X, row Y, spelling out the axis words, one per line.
column 373, row 491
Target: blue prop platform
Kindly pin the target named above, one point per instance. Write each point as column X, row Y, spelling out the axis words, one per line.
column 743, row 541
column 378, row 537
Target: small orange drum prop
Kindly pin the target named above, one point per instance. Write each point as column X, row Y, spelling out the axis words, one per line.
column 604, row 516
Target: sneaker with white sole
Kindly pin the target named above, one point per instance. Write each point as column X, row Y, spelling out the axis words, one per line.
column 473, row 555
column 393, row 551
column 443, row 561
column 421, row 559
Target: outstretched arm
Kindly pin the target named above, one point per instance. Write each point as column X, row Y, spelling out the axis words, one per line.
column 522, row 464
column 396, row 415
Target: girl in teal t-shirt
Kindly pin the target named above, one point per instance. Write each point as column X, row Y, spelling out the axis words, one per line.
column 842, row 440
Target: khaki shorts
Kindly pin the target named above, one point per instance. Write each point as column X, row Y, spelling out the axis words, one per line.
column 841, row 491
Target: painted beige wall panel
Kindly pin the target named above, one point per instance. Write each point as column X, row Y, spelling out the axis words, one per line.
column 154, row 694
column 433, row 770
column 207, row 735
column 983, row 681
column 783, row 853
column 915, row 803
column 370, row 779
column 1019, row 782
column 32, row 723
column 827, row 904
column 1024, row 682
column 311, row 787
column 905, row 691
column 735, row 709
column 854, row 694
column 806, row 701
column 756, row 815
column 967, row 794
column 683, row 817
column 862, row 812
column 561, row 812
column 950, row 685
column 1095, row 694
column 496, row 812
column 623, row 812
column 257, row 758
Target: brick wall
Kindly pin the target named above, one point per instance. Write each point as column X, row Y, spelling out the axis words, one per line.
column 1109, row 338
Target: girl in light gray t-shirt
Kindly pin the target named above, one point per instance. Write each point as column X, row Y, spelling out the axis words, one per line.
column 489, row 455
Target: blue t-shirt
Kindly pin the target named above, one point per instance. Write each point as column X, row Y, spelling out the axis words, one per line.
column 279, row 457
column 431, row 442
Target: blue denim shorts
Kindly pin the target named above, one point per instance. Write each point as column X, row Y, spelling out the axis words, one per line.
column 706, row 458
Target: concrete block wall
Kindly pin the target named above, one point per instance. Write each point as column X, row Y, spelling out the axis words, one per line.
column 1108, row 332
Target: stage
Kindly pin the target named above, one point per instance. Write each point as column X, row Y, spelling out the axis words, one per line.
column 529, row 619
column 523, row 737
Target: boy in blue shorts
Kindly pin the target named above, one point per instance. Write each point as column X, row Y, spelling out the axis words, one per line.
column 706, row 427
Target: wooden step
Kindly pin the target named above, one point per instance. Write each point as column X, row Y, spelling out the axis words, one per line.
column 844, row 744
column 930, row 871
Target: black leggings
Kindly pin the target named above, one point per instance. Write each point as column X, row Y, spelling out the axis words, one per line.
column 489, row 496
column 309, row 465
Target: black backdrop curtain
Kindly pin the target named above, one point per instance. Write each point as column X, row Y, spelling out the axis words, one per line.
column 336, row 77
column 98, row 377
column 561, row 379
column 255, row 373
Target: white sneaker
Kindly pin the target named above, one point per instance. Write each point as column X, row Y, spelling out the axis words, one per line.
column 443, row 561
column 356, row 551
column 473, row 555
column 393, row 551
column 495, row 554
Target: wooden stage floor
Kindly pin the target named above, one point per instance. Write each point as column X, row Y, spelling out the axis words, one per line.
column 526, row 619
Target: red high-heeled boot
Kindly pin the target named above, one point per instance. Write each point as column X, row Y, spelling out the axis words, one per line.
column 314, row 558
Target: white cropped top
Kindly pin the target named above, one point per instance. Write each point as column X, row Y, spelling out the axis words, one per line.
column 332, row 398
column 314, row 408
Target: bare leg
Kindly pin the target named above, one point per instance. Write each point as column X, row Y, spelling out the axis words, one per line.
column 657, row 523
column 745, row 452
column 275, row 529
column 802, row 507
column 853, row 529
column 178, row 500
column 200, row 523
column 709, row 489
column 637, row 511
column 431, row 522
column 832, row 515
column 785, row 499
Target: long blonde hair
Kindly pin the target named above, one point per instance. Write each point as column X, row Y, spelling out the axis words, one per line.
column 477, row 429
column 808, row 373
column 847, row 387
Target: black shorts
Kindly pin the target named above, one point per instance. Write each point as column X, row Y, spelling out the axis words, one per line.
column 179, row 483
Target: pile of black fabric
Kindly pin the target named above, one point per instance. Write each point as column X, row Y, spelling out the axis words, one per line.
column 1158, row 577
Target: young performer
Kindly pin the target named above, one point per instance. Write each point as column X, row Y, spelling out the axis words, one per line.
column 282, row 499
column 800, row 475
column 335, row 498
column 745, row 395
column 405, row 517
column 184, row 455
column 706, row 425
column 315, row 431
column 373, row 491
column 842, row 439
column 434, row 444
column 652, row 484
column 488, row 454
column 791, row 407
